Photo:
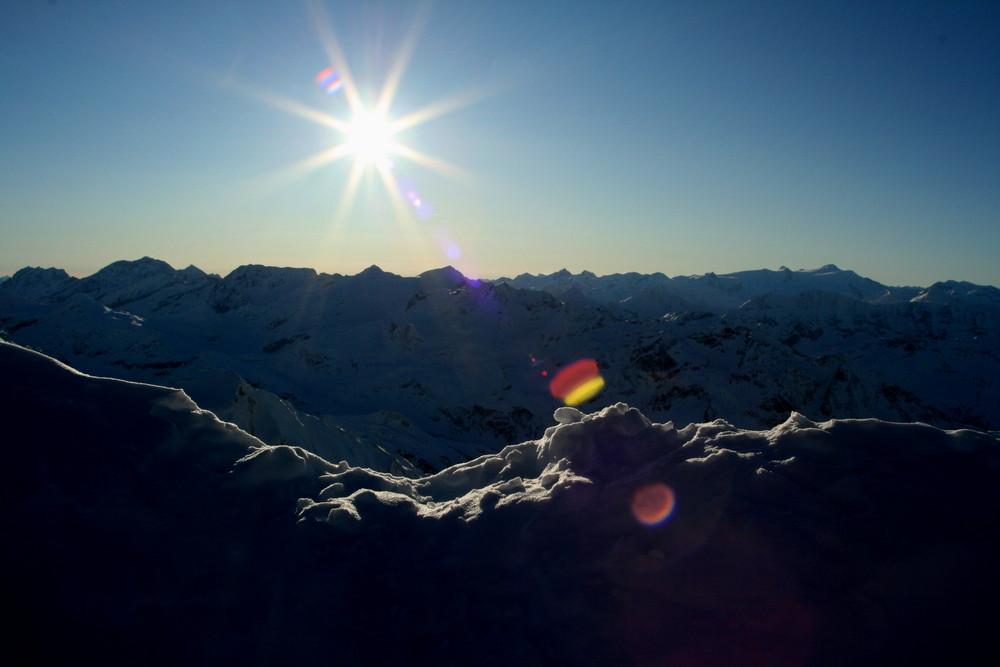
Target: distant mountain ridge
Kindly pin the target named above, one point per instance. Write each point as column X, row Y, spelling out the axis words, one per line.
column 714, row 291
column 443, row 367
column 54, row 284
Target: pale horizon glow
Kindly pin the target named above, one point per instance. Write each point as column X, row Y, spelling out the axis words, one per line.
column 681, row 138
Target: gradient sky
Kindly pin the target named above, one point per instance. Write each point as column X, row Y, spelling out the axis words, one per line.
column 681, row 137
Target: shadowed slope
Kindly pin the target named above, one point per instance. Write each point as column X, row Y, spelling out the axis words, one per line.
column 142, row 529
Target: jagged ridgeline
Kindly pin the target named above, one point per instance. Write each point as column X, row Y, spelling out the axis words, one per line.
column 412, row 374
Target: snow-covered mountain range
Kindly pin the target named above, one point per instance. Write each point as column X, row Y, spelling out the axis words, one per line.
column 412, row 374
column 141, row 529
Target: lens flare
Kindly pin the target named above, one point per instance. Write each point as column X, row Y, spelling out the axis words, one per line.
column 577, row 383
column 653, row 504
column 407, row 189
column 449, row 248
column 330, row 81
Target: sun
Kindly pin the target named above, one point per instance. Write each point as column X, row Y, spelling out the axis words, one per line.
column 370, row 138
column 368, row 134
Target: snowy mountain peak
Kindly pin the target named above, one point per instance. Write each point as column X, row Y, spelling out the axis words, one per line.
column 124, row 282
column 39, row 284
column 125, row 269
column 445, row 277
column 373, row 270
column 126, row 272
column 193, row 272
column 827, row 268
column 951, row 291
column 37, row 272
column 256, row 275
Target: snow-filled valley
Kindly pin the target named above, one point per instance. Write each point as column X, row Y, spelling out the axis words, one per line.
column 411, row 375
column 141, row 529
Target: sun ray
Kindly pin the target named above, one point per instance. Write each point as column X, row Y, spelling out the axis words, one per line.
column 390, row 186
column 414, row 240
column 350, row 190
column 446, row 106
column 402, row 62
column 291, row 106
column 313, row 162
column 442, row 167
column 269, row 182
column 331, row 46
column 367, row 135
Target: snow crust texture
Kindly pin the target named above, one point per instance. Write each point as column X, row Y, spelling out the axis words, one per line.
column 141, row 529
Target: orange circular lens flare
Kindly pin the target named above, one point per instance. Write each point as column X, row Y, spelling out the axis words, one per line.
column 653, row 504
column 578, row 382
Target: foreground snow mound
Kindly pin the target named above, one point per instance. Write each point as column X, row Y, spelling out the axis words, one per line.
column 137, row 520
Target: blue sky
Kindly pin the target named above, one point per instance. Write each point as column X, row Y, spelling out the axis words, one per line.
column 679, row 137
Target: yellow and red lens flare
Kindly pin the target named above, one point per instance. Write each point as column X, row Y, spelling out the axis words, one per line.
column 577, row 383
column 653, row 504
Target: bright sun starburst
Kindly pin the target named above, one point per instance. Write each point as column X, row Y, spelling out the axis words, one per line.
column 370, row 138
column 369, row 135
